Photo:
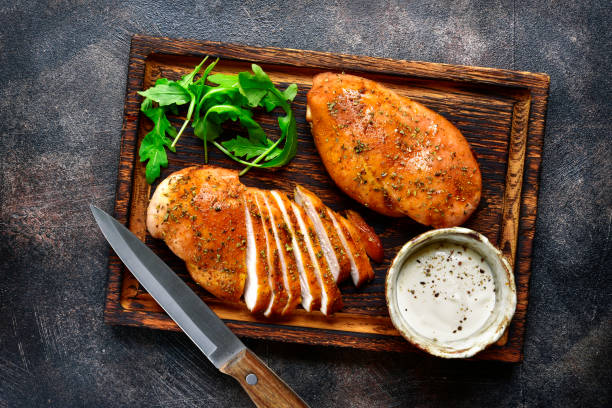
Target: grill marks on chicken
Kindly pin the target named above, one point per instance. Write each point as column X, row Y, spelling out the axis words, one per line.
column 392, row 154
column 245, row 241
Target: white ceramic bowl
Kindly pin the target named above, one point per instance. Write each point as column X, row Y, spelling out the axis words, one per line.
column 505, row 294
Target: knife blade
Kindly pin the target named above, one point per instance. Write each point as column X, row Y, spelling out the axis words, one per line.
column 195, row 318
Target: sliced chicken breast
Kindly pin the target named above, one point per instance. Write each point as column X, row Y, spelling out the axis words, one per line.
column 328, row 236
column 367, row 236
column 359, row 272
column 278, row 294
column 363, row 269
column 240, row 242
column 310, row 288
column 282, row 237
column 331, row 298
column 257, row 287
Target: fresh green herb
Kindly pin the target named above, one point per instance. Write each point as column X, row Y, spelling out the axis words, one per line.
column 167, row 92
column 168, row 95
column 244, row 147
column 258, row 90
column 224, row 80
column 210, row 106
column 330, row 107
column 153, row 146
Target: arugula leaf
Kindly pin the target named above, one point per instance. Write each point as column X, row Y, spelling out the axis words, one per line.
column 254, row 86
column 200, row 88
column 288, row 128
column 224, row 80
column 290, row 92
column 153, row 146
column 194, row 91
column 257, row 90
column 221, row 113
column 207, row 71
column 241, row 146
column 274, row 100
column 221, row 96
column 167, row 94
column 187, row 80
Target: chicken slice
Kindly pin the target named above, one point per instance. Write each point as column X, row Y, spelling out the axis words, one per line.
column 392, row 154
column 158, row 205
column 328, row 236
column 331, row 298
column 360, row 255
column 180, row 212
column 257, row 287
column 282, row 238
column 278, row 294
column 360, row 271
column 310, row 288
column 367, row 236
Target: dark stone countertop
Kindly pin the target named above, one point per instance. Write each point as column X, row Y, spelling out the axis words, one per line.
column 63, row 71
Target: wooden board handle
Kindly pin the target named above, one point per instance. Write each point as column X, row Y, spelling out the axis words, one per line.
column 265, row 388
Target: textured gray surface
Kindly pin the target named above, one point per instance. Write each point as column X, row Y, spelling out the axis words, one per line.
column 63, row 67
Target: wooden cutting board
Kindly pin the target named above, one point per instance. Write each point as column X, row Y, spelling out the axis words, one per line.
column 500, row 112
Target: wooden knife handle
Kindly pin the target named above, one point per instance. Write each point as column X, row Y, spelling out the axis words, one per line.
column 265, row 388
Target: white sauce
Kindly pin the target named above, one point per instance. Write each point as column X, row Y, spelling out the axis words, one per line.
column 446, row 291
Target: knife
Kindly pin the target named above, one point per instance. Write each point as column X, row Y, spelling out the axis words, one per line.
column 195, row 318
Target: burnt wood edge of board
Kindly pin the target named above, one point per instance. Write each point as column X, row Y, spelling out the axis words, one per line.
column 147, row 45
column 301, row 335
column 143, row 46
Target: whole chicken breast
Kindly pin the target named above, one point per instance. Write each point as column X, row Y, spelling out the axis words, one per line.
column 392, row 154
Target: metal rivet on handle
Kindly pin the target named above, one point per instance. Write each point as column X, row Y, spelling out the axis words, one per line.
column 251, row 379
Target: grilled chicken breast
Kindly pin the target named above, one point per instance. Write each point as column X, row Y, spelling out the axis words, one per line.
column 366, row 235
column 181, row 211
column 392, row 154
column 257, row 244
